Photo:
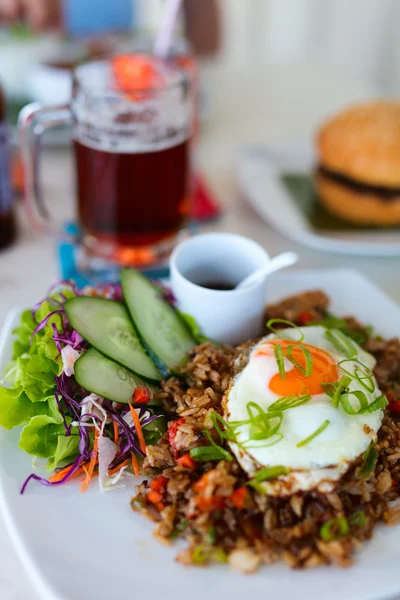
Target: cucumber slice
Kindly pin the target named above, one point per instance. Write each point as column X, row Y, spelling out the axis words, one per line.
column 104, row 377
column 157, row 322
column 106, row 325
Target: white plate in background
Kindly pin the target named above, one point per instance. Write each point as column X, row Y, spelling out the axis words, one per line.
column 259, row 172
column 92, row 546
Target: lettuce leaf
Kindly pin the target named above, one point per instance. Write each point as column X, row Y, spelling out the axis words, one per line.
column 15, row 407
column 27, row 394
column 67, row 448
column 194, row 328
column 154, row 430
column 40, row 436
column 23, row 332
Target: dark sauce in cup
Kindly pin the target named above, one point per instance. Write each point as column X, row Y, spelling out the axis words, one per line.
column 222, row 286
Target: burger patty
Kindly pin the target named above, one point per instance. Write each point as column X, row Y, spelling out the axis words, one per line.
column 386, row 193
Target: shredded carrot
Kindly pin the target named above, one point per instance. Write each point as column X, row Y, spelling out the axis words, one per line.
column 92, row 463
column 138, row 429
column 116, row 432
column 95, row 474
column 61, row 474
column 118, row 468
column 135, row 464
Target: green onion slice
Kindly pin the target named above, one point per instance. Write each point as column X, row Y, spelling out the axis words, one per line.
column 263, row 425
column 287, row 402
column 307, row 356
column 334, row 529
column 341, row 342
column 280, row 360
column 362, row 375
column 317, row 432
column 340, row 390
column 335, row 389
column 271, row 322
column 180, row 528
column 223, row 453
column 270, row 473
column 329, row 388
column 333, row 322
column 257, row 486
column 200, row 554
column 218, row 555
column 211, row 535
column 204, row 453
column 358, row 519
column 228, row 432
column 274, row 440
column 348, row 406
column 204, row 552
column 377, row 404
column 365, row 380
column 330, row 321
column 368, row 461
column 212, row 452
column 266, row 428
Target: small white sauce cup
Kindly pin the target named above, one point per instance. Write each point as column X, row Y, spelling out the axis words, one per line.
column 228, row 316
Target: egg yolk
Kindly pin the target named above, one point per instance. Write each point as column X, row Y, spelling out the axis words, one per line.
column 324, row 369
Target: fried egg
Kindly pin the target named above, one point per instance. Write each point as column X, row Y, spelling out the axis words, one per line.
column 311, row 460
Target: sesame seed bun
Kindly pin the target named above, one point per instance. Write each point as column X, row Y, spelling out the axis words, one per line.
column 363, row 143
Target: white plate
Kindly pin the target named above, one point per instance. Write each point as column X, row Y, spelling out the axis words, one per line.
column 91, row 546
column 259, row 177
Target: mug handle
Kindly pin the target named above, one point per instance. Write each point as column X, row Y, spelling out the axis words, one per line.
column 33, row 121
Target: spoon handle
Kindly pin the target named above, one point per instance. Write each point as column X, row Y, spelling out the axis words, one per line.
column 286, row 259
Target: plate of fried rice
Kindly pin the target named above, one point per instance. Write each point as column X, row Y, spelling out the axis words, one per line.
column 277, row 471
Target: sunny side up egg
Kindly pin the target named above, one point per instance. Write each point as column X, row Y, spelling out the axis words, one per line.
column 316, row 441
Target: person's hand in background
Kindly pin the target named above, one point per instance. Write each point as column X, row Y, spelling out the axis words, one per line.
column 39, row 14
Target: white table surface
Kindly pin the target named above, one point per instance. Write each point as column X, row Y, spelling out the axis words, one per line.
column 248, row 106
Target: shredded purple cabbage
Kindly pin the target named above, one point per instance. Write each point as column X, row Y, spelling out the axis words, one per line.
column 74, row 467
column 50, row 300
column 84, row 443
column 43, row 323
column 69, row 337
column 68, row 388
column 62, row 413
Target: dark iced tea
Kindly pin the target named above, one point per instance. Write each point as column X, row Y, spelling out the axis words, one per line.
column 133, row 200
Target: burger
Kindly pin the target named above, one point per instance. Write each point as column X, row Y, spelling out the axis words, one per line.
column 358, row 172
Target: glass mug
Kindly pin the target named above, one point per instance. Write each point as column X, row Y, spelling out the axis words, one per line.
column 132, row 119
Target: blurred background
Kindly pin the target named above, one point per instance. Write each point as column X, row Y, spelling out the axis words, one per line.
column 358, row 37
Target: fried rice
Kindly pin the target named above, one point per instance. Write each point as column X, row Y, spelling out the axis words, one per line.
column 224, row 520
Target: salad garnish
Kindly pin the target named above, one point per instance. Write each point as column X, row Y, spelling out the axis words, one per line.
column 79, row 432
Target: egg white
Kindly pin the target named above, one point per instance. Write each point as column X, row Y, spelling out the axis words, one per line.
column 328, row 456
